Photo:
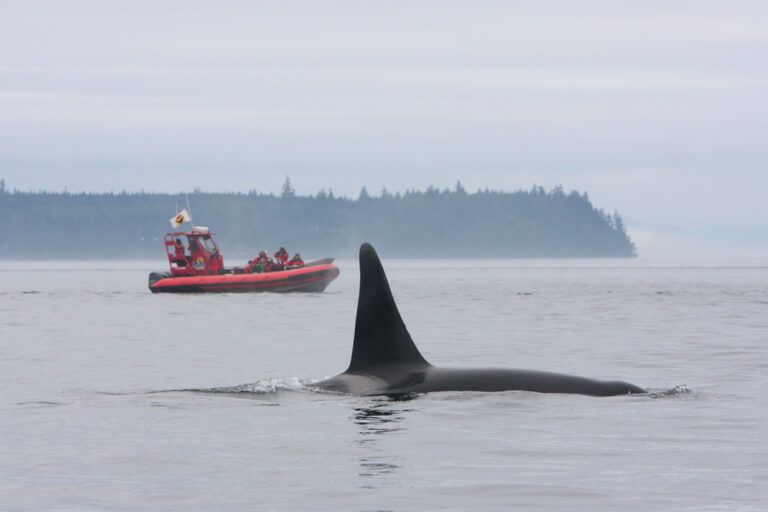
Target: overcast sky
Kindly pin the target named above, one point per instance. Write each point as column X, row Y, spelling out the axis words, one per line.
column 657, row 109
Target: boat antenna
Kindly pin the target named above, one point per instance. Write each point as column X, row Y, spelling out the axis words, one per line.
column 189, row 209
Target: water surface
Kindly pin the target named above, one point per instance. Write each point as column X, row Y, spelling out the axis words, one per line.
column 93, row 370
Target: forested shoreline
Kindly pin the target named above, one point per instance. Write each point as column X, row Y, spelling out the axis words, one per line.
column 432, row 223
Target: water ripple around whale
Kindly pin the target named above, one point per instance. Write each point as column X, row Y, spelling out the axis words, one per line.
column 679, row 391
column 260, row 387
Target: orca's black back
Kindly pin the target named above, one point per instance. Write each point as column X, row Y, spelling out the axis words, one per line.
column 380, row 334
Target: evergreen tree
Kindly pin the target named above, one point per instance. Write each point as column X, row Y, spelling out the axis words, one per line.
column 618, row 223
column 287, row 190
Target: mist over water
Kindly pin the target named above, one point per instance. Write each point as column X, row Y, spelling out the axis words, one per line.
column 113, row 398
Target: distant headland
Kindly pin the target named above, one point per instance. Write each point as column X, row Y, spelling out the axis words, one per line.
column 431, row 223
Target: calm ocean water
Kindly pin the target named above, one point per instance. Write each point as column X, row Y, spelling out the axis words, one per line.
column 112, row 398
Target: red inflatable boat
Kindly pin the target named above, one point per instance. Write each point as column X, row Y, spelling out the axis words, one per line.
column 200, row 269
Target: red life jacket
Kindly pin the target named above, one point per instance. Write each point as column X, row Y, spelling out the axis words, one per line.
column 216, row 264
column 281, row 256
column 267, row 263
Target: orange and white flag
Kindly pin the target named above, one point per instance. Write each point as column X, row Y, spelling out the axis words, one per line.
column 180, row 218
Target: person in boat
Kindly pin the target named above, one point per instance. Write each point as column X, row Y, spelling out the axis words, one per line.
column 258, row 264
column 281, row 256
column 296, row 261
column 216, row 262
column 254, row 267
column 265, row 261
column 194, row 247
column 178, row 254
column 196, row 254
column 275, row 265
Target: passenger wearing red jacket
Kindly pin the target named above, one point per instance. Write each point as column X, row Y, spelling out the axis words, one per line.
column 267, row 262
column 259, row 264
column 296, row 261
column 281, row 256
column 216, row 265
column 178, row 254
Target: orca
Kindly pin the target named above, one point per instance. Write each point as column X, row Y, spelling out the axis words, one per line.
column 385, row 360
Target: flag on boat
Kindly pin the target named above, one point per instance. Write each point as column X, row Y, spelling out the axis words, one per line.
column 180, row 218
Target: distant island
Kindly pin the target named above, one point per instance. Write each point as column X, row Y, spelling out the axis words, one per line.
column 432, row 223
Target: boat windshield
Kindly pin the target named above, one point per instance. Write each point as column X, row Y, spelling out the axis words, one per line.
column 208, row 243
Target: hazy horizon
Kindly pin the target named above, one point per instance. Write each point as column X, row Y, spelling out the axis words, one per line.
column 656, row 110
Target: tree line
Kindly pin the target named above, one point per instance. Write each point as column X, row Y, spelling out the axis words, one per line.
column 431, row 223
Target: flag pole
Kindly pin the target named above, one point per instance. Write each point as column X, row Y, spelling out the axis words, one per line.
column 189, row 209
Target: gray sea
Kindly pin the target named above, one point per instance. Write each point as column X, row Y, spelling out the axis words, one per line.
column 112, row 398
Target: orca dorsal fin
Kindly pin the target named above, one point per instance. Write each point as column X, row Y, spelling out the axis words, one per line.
column 380, row 334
